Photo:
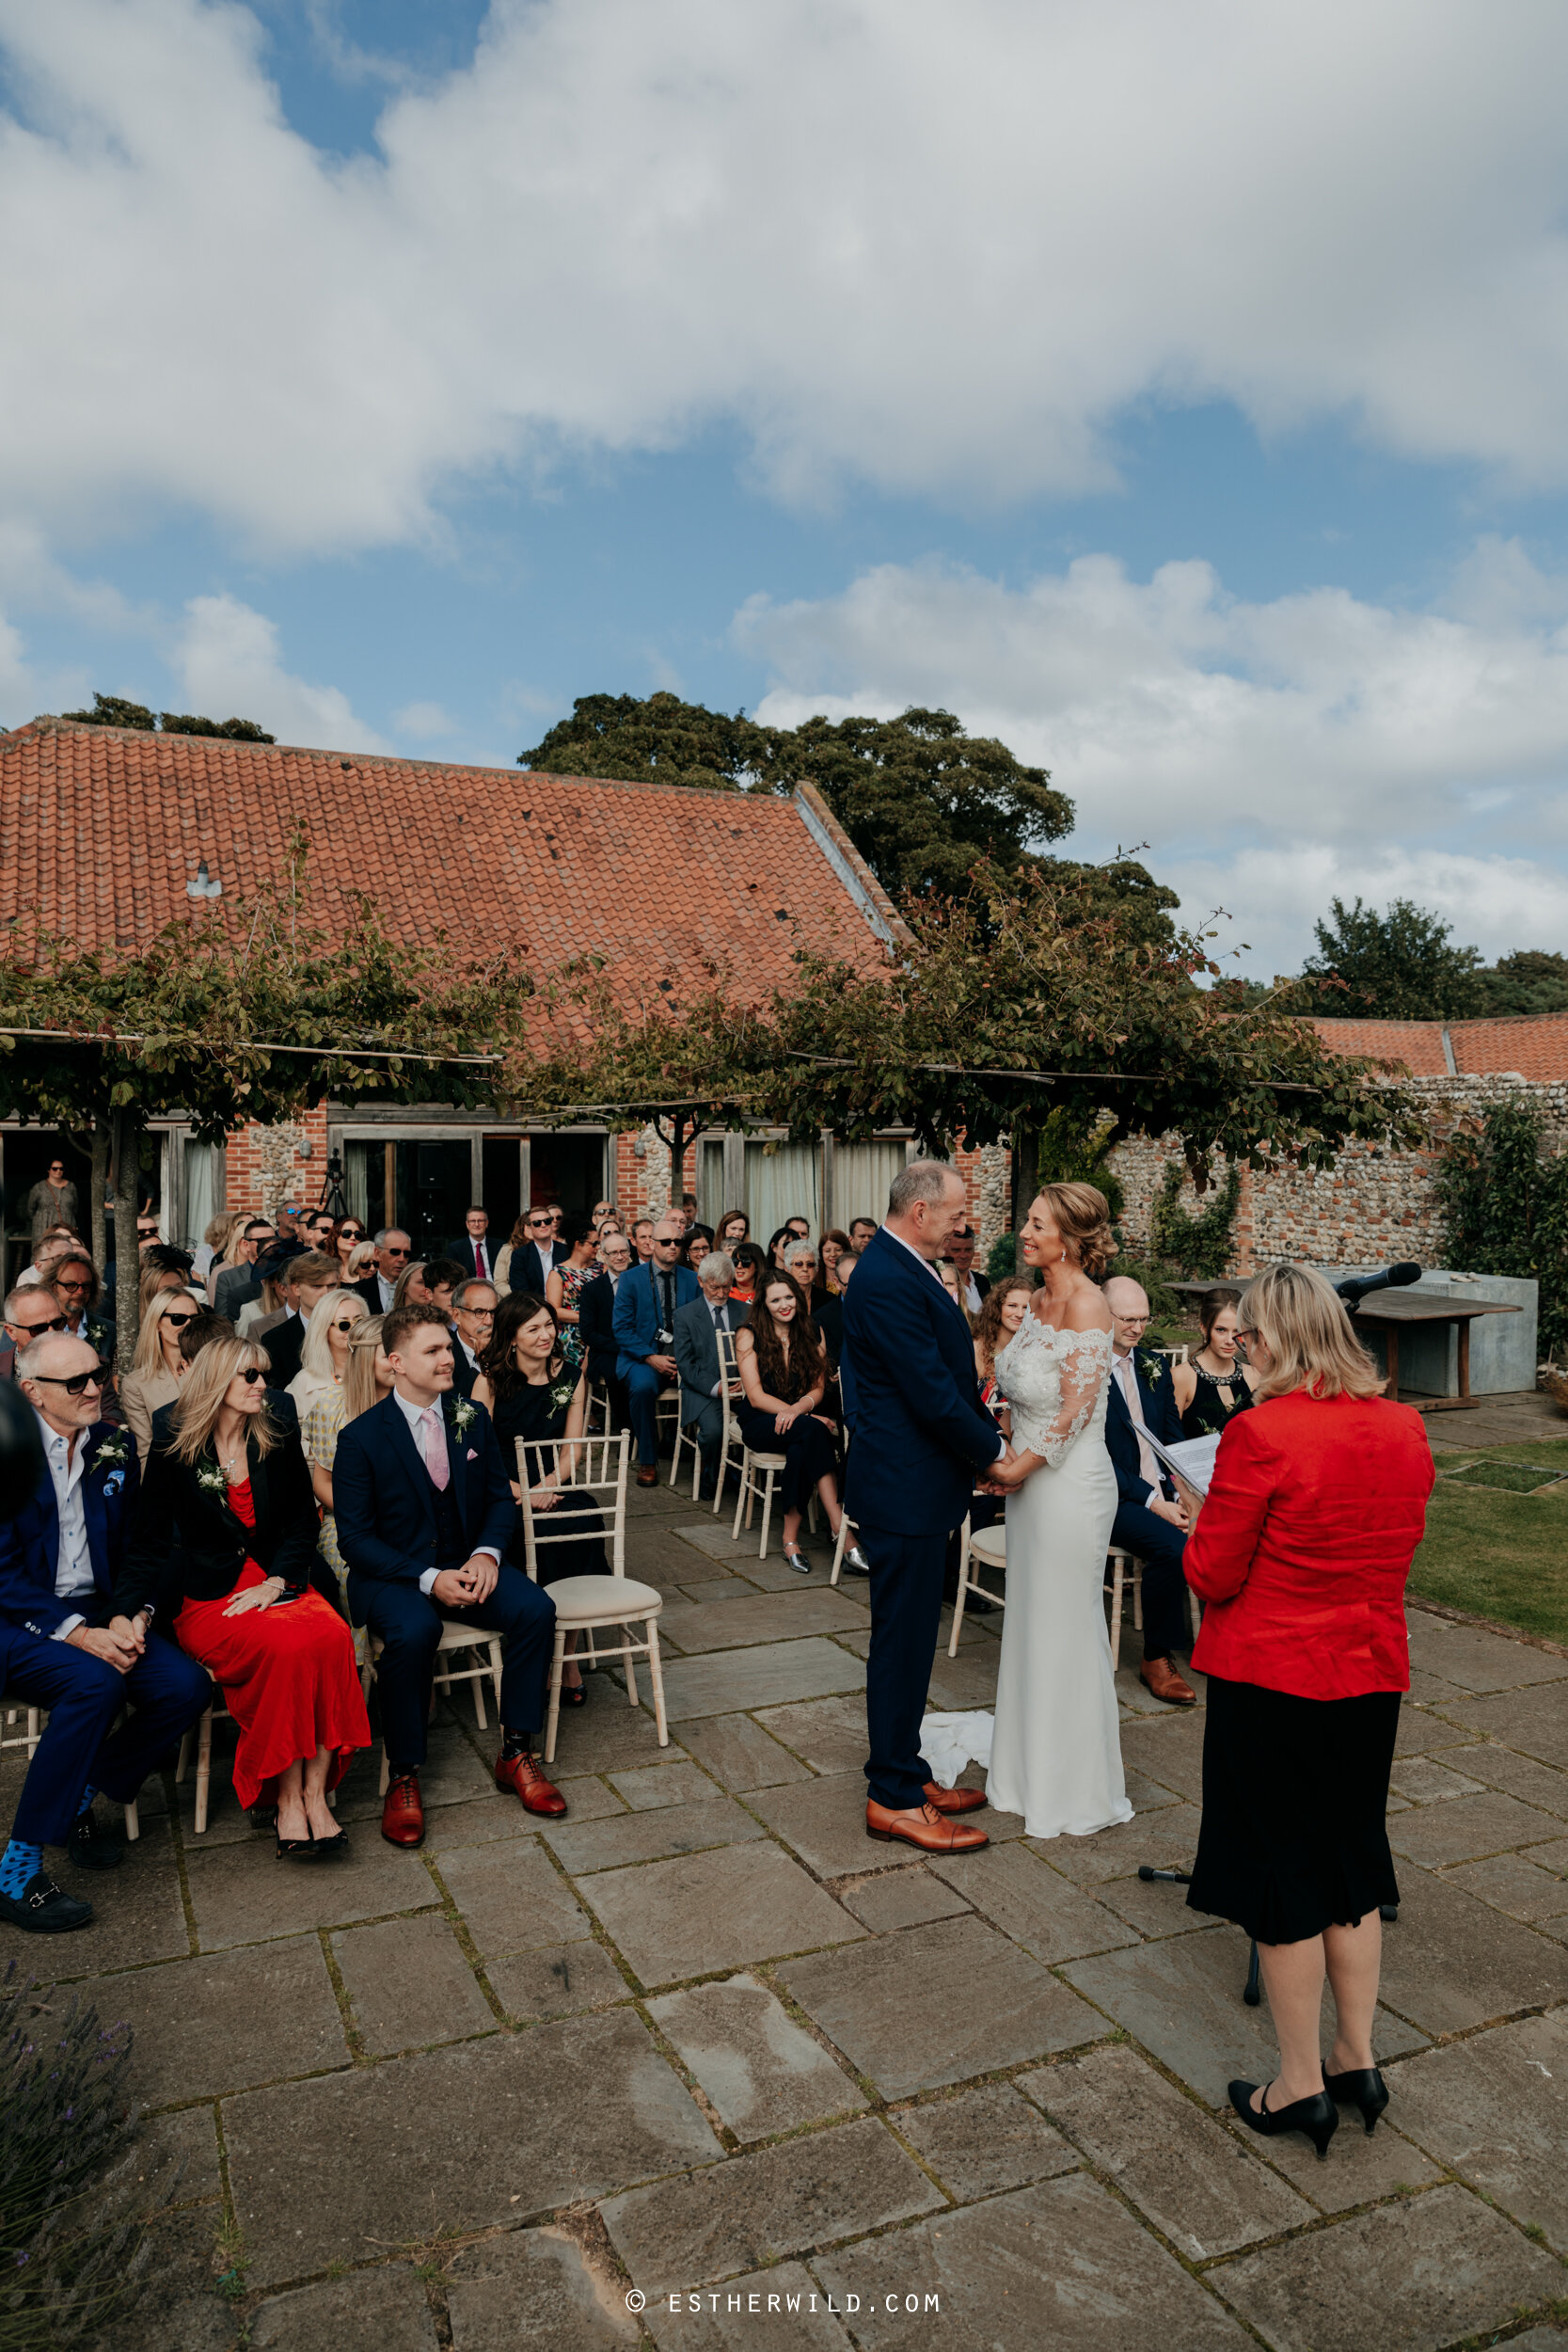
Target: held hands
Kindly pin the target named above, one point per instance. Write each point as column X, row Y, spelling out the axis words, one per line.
column 256, row 1596
column 545, row 1495
column 119, row 1650
column 460, row 1588
column 1007, row 1473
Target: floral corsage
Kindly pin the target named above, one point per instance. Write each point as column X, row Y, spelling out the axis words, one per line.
column 111, row 1453
column 209, row 1478
column 462, row 1415
column 1151, row 1368
column 562, row 1395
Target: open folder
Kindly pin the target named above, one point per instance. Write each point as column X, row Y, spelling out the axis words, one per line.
column 1192, row 1459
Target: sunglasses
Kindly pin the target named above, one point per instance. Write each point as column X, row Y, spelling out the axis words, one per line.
column 398, row 1253
column 76, row 1282
column 77, row 1383
column 350, row 1232
column 179, row 1321
column 347, row 1324
column 35, row 1331
column 251, row 1374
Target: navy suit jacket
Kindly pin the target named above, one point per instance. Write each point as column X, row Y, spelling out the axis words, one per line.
column 637, row 1322
column 385, row 1504
column 31, row 1543
column 463, row 1250
column 597, row 1323
column 921, row 1432
column 1159, row 1416
column 530, row 1268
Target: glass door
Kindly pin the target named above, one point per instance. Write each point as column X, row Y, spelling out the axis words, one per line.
column 782, row 1180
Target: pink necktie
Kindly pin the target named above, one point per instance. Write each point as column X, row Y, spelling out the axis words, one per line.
column 433, row 1445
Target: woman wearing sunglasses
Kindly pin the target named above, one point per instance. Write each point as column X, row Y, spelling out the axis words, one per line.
column 324, row 1353
column 157, row 1367
column 221, row 1543
column 345, row 1242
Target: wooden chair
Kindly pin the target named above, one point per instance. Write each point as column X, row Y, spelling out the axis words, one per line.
column 1119, row 1561
column 730, row 1436
column 985, row 1548
column 846, row 1532
column 685, row 1435
column 453, row 1638
column 28, row 1740
column 587, row 1604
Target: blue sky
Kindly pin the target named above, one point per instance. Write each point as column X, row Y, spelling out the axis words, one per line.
column 1176, row 391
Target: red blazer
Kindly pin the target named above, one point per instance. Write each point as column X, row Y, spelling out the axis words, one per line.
column 1303, row 1545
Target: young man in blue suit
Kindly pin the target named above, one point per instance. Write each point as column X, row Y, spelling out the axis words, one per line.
column 62, row 1646
column 920, row 1438
column 425, row 1514
column 1150, row 1522
column 647, row 1301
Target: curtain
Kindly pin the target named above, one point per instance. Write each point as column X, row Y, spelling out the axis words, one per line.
column 863, row 1175
column 711, row 1202
column 782, row 1180
column 365, row 1179
column 200, row 1191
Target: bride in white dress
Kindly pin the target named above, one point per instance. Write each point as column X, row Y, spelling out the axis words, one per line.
column 1056, row 1748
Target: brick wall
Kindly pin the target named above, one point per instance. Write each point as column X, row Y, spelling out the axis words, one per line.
column 265, row 1164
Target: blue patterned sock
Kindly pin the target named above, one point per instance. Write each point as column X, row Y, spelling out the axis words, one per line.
column 18, row 1864
column 87, row 1795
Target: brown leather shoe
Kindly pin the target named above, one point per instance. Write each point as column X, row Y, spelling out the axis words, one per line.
column 922, row 1827
column 402, row 1811
column 524, row 1776
column 1161, row 1679
column 647, row 1474
column 954, row 1800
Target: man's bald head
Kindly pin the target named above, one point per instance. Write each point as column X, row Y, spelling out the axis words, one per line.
column 41, row 1368
column 668, row 1229
column 1128, row 1304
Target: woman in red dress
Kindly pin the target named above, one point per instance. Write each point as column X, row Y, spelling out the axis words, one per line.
column 223, row 1538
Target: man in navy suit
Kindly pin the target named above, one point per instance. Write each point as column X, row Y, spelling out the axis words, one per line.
column 1150, row 1522
column 647, row 1301
column 473, row 1251
column 535, row 1260
column 920, row 1438
column 425, row 1512
column 62, row 1647
column 597, row 1323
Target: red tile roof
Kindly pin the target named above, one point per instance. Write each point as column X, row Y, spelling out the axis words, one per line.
column 1417, row 1043
column 101, row 828
column 1534, row 1044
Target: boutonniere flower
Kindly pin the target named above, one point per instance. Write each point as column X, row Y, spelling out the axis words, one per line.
column 563, row 1393
column 462, row 1415
column 111, row 1453
column 1151, row 1367
column 211, row 1479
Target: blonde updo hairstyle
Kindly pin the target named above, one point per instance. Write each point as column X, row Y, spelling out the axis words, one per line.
column 1082, row 1217
column 1304, row 1324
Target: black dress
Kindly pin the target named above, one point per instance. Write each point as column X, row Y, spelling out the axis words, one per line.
column 534, row 1414
column 1209, row 1411
column 809, row 1448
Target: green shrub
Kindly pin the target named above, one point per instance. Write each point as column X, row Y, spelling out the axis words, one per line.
column 1195, row 1249
column 1504, row 1203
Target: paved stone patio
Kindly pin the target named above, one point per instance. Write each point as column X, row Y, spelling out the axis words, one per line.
column 705, row 2035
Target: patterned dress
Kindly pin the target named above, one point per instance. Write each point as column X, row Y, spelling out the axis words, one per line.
column 320, row 1426
column 574, row 1282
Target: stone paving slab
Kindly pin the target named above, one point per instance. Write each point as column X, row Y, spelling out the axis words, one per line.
column 1517, row 1884
column 186, row 2142
column 1463, row 1827
column 1477, row 1661
column 777, row 2309
column 759, row 2207
column 535, row 2287
column 761, row 2071
column 648, row 1787
column 829, row 1734
column 1535, row 1721
column 1166, row 1842
column 824, row 1822
column 900, row 1898
column 937, row 2005
column 1207, row 2194
column 512, row 1899
column 698, row 1913
column 386, row 2308
column 1060, row 2265
column 741, row 1753
column 1361, row 2165
column 758, row 1678
column 979, row 2141
column 1426, row 1780
column 1169, row 1749
column 486, row 1820
column 1452, row 1963
column 607, row 1735
column 1495, row 2108
column 409, row 1985
column 183, row 2020
column 1031, row 1902
column 362, row 2164
column 556, row 1980
column 1406, row 2277
column 241, row 1895
column 761, row 1617
column 1541, row 1785
column 1182, row 2000
column 647, row 1836
column 138, row 1914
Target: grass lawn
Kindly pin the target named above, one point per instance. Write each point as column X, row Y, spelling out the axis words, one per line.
column 1495, row 1550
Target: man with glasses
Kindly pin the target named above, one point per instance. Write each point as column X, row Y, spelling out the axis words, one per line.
column 473, row 1309
column 1150, row 1522
column 646, row 1305
column 239, row 1283
column 30, row 1312
column 597, row 1323
column 531, row 1266
column 63, row 1649
column 473, row 1252
column 393, row 1249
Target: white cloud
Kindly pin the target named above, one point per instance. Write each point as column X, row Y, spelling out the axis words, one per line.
column 425, row 721
column 1271, row 753
column 939, row 248
column 226, row 659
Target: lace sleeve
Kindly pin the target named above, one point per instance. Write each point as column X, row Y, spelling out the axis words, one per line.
column 1084, row 1359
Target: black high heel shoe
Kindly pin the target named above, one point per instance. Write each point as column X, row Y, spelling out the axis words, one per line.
column 297, row 1849
column 1318, row 2115
column 1360, row 2087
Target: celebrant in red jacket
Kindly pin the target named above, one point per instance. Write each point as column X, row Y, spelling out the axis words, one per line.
column 1301, row 1550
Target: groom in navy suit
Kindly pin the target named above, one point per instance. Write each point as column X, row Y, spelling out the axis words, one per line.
column 425, row 1515
column 1150, row 1522
column 921, row 1439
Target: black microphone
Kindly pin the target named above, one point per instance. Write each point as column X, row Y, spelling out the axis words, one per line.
column 1354, row 1289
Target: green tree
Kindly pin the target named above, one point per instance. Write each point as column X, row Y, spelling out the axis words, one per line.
column 1402, row 965
column 1503, row 1198
column 109, row 711
column 923, row 800
column 1532, row 979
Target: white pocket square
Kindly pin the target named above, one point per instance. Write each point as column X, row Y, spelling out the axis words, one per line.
column 472, row 1453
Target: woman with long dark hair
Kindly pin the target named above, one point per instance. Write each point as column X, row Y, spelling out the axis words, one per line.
column 1217, row 1383
column 783, row 1364
column 732, row 1228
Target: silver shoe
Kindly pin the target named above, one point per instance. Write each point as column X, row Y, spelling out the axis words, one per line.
column 797, row 1560
column 856, row 1559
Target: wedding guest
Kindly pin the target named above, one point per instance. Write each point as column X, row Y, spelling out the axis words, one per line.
column 602, row 1209
column 359, row 1268
column 441, row 1277
column 474, row 1317
column 367, row 1376
column 73, row 1280
column 30, row 1312
column 947, row 1274
column 734, row 1227
column 1150, row 1521
column 411, row 1289
column 1006, row 1304
column 348, row 1239
column 473, row 1251
column 324, row 1350
column 750, row 1265
column 642, row 1239
column 783, row 1366
column 517, row 1239
column 157, row 1366
column 222, row 1544
column 800, row 1262
column 155, row 1281
column 237, row 1283
column 785, row 1232
column 214, row 1241
column 320, row 1231
column 699, row 1242
column 1216, row 1385
column 645, row 1308
column 47, row 1254
column 860, row 1231
column 228, row 1255
column 529, row 1265
column 1301, row 1548
column 848, row 1261
column 63, row 1650
column 534, row 1396
column 393, row 1250
column 698, row 1327
column 308, row 1279
column 834, row 1245
column 973, row 1287
column 596, row 1324
column 565, row 1284
column 425, row 1512
column 50, row 1202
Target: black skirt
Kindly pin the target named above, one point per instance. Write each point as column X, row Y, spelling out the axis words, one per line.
column 1294, row 1838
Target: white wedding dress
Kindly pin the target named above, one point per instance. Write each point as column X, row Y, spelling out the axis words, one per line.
column 1056, row 1750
